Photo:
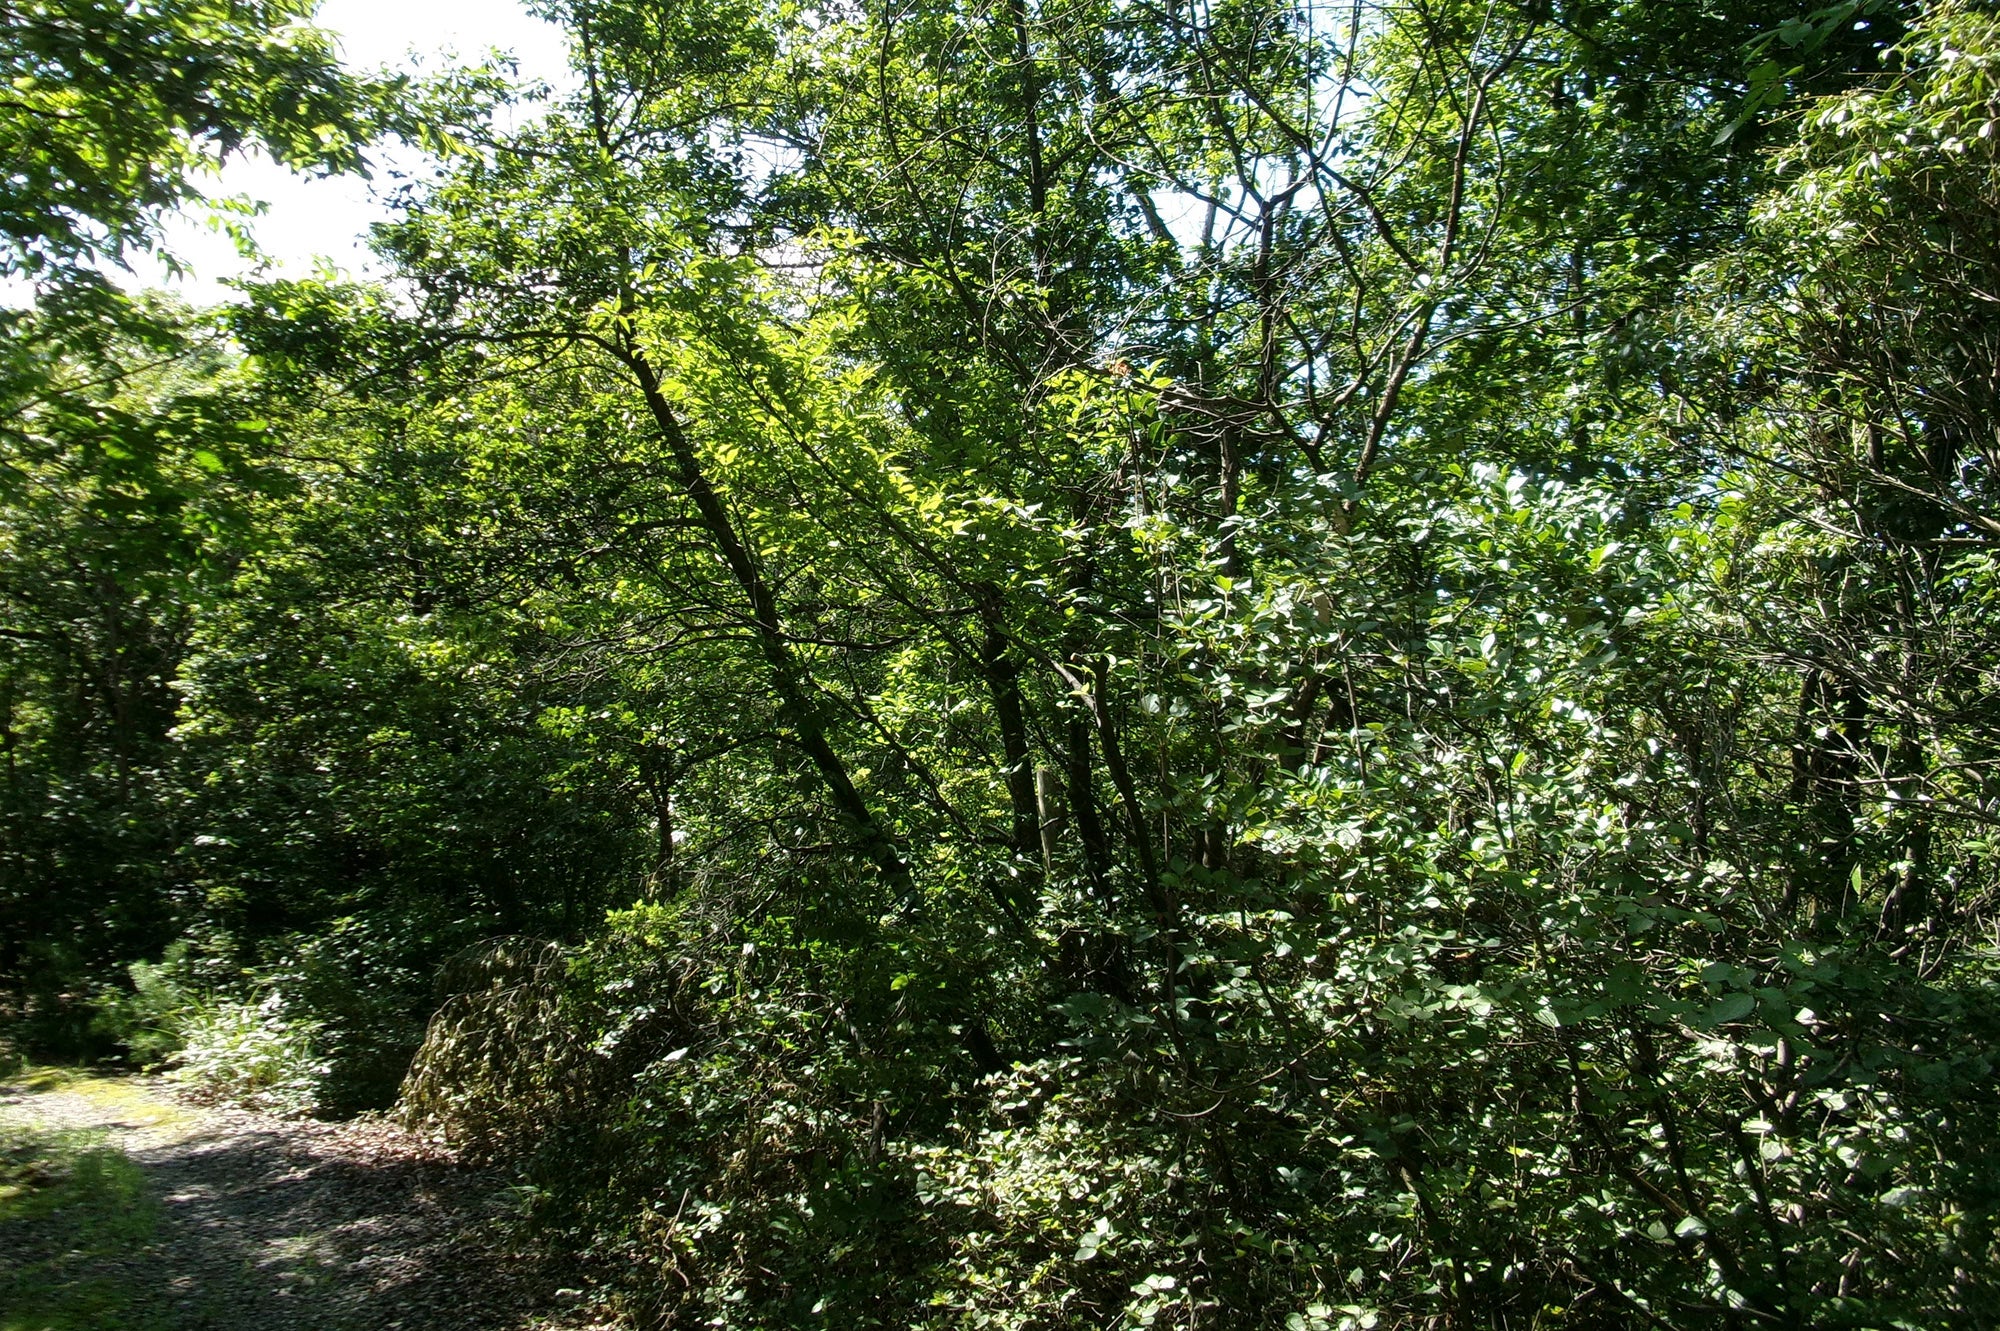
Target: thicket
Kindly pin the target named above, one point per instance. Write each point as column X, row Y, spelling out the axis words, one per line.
column 1041, row 665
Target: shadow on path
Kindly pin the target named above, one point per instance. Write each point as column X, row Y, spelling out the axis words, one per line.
column 226, row 1221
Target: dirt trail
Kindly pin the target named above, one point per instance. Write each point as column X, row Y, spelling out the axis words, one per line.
column 258, row 1222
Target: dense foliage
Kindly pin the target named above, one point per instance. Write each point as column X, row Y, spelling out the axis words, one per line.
column 1061, row 664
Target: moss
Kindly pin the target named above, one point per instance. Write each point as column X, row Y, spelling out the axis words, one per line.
column 120, row 1098
column 73, row 1211
column 77, row 1215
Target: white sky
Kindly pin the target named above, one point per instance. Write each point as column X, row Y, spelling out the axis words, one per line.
column 310, row 219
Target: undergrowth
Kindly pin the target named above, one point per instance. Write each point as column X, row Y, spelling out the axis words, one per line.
column 258, row 1052
column 72, row 1211
column 251, row 1054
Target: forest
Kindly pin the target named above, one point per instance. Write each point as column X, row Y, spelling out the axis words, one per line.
column 1048, row 664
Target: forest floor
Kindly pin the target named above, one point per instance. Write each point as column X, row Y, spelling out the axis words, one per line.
column 126, row 1208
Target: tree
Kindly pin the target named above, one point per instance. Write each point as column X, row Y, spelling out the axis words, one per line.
column 125, row 466
column 114, row 111
column 1222, row 665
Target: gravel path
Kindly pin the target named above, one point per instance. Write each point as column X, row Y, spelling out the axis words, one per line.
column 279, row 1225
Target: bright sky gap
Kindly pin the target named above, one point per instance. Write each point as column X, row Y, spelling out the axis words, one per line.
column 307, row 221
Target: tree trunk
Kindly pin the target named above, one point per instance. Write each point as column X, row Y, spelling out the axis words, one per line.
column 800, row 712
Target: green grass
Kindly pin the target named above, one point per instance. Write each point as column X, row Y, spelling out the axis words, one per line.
column 118, row 1097
column 73, row 1213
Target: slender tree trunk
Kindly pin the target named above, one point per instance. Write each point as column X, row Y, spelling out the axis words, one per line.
column 1128, row 796
column 801, row 713
column 1825, row 760
column 1083, row 798
column 1048, row 808
column 1003, row 680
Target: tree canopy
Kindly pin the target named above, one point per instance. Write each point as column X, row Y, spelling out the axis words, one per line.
column 1041, row 664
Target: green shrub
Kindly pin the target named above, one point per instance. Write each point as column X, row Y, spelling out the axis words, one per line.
column 502, row 1061
column 148, row 1020
column 370, row 984
column 252, row 1054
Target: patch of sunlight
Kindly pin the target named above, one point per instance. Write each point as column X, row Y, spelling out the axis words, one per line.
column 310, row 1249
column 120, row 1099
